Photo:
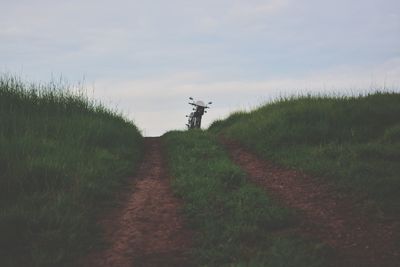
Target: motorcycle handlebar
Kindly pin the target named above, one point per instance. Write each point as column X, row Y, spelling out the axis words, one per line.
column 193, row 104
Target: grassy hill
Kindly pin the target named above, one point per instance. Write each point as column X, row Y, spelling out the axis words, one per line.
column 353, row 142
column 61, row 158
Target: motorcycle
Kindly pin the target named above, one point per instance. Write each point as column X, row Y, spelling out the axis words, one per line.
column 194, row 118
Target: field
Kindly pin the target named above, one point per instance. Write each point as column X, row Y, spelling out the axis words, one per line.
column 62, row 158
column 353, row 142
column 291, row 184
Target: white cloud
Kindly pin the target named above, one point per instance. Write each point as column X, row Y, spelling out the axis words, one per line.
column 147, row 57
column 255, row 9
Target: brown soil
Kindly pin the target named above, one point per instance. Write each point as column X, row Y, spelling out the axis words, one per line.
column 335, row 220
column 147, row 229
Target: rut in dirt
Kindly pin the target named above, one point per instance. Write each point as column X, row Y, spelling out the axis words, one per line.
column 332, row 219
column 148, row 229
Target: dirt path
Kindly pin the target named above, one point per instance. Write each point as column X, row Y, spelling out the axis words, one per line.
column 333, row 220
column 147, row 230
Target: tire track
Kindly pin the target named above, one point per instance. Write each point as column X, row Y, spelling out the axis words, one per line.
column 147, row 230
column 357, row 240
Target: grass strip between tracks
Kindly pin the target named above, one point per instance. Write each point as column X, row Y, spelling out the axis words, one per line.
column 235, row 222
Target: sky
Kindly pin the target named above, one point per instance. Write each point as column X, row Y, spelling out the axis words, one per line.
column 146, row 58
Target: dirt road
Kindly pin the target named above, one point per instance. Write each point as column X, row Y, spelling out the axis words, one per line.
column 357, row 240
column 148, row 229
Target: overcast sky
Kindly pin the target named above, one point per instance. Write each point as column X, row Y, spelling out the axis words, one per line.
column 147, row 57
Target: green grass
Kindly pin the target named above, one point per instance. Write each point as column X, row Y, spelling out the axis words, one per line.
column 353, row 142
column 62, row 157
column 235, row 222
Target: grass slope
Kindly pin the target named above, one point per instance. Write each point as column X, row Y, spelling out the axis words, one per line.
column 352, row 141
column 234, row 221
column 61, row 158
